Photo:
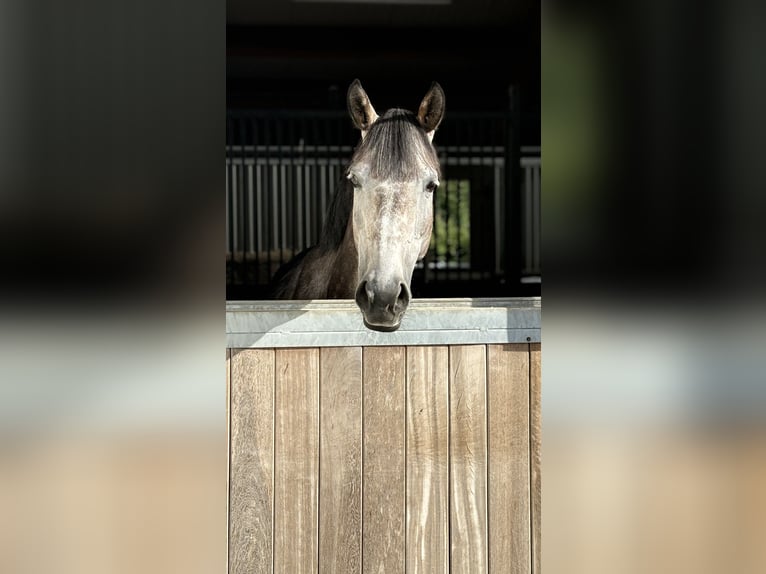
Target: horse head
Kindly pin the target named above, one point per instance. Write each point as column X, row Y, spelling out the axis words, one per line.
column 394, row 172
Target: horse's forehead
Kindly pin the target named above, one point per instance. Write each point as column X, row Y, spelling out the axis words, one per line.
column 377, row 175
column 394, row 209
column 403, row 145
column 393, row 183
column 394, row 203
column 396, row 149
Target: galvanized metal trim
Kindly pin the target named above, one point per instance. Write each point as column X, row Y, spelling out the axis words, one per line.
column 335, row 323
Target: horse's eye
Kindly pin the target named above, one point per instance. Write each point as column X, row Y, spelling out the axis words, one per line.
column 431, row 187
column 353, row 179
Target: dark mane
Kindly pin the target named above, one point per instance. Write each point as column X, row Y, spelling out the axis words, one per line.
column 395, row 145
column 337, row 216
column 336, row 220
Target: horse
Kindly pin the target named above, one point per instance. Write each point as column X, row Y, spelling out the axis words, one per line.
column 379, row 222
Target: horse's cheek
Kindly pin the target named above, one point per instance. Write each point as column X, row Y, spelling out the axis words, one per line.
column 361, row 230
column 425, row 238
column 358, row 221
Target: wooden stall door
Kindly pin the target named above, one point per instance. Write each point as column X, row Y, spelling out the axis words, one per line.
column 420, row 459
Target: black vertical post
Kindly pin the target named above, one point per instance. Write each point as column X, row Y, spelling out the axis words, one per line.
column 259, row 206
column 514, row 245
column 230, row 264
column 242, row 205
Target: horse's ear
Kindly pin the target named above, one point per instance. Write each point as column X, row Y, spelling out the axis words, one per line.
column 431, row 109
column 359, row 107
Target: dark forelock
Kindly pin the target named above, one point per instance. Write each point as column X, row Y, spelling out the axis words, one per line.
column 395, row 146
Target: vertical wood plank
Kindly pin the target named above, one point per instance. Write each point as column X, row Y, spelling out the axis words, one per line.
column 297, row 461
column 251, row 461
column 340, row 456
column 427, row 533
column 228, row 457
column 535, row 432
column 468, row 459
column 384, row 460
column 508, row 423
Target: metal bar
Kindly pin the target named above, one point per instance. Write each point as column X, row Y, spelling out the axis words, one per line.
column 242, row 192
column 499, row 230
column 462, row 161
column 269, row 196
column 536, row 219
column 458, row 205
column 259, row 201
column 306, row 200
column 323, row 192
column 307, row 197
column 275, row 209
column 235, row 211
column 293, row 187
column 250, row 212
column 260, row 226
column 514, row 237
column 339, row 323
column 315, row 187
column 228, row 211
column 282, row 174
column 528, row 221
column 299, row 218
column 478, row 220
column 279, row 173
column 347, row 150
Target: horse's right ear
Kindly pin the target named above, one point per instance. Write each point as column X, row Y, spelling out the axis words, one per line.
column 431, row 110
column 359, row 107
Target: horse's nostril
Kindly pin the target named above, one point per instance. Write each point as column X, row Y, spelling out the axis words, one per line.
column 401, row 301
column 390, row 300
column 364, row 295
column 403, row 298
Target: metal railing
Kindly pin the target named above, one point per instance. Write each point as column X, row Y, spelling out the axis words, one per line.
column 282, row 169
column 531, row 171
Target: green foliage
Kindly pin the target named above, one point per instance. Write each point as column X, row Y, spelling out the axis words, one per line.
column 451, row 239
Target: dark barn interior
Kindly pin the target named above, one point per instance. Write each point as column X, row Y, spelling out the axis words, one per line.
column 289, row 64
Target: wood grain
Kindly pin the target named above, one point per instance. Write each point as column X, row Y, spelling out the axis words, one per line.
column 468, row 459
column 340, row 460
column 535, row 432
column 251, row 460
column 384, row 460
column 228, row 455
column 427, row 531
column 508, row 422
column 296, row 461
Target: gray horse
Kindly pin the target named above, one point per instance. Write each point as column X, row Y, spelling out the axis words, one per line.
column 379, row 222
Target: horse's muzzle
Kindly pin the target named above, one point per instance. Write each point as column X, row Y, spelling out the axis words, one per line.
column 382, row 305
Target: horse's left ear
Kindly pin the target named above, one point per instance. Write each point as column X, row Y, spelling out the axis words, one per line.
column 359, row 107
column 431, row 110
